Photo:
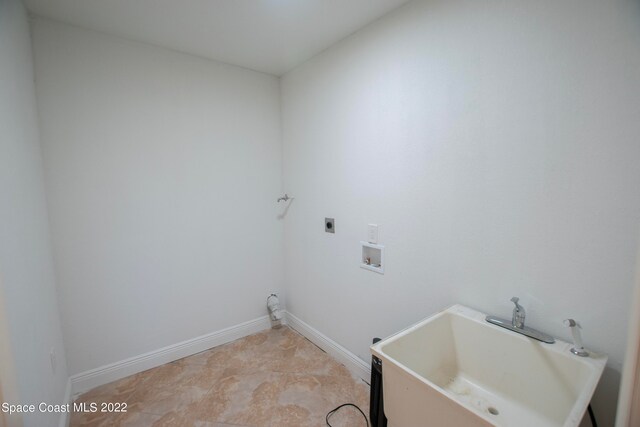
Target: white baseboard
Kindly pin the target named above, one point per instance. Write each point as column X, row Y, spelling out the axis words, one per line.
column 85, row 381
column 356, row 365
column 64, row 416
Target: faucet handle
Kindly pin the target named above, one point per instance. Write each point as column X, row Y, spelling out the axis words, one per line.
column 571, row 323
column 518, row 314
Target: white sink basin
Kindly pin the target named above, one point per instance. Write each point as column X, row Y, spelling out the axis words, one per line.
column 454, row 369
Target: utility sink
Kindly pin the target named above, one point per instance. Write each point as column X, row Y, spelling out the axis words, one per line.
column 454, row 369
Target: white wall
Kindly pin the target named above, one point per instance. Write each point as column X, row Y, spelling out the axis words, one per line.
column 496, row 144
column 162, row 172
column 8, row 376
column 26, row 268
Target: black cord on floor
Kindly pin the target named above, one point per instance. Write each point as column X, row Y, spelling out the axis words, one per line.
column 342, row 406
column 593, row 417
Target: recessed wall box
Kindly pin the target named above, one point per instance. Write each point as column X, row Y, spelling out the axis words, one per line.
column 329, row 225
column 372, row 257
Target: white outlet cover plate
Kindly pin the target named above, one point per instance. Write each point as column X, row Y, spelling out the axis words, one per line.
column 372, row 233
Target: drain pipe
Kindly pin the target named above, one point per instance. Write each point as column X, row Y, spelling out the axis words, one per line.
column 275, row 313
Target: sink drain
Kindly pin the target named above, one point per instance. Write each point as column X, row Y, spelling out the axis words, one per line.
column 493, row 411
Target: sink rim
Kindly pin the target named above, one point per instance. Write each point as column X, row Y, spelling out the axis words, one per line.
column 596, row 362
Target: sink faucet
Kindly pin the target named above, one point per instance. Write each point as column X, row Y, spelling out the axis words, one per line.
column 517, row 324
column 517, row 320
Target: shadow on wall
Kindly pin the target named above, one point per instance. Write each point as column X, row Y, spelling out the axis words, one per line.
column 605, row 397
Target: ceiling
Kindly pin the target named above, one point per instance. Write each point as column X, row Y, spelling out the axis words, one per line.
column 272, row 36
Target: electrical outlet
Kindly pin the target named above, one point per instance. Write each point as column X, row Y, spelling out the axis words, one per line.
column 52, row 358
column 372, row 233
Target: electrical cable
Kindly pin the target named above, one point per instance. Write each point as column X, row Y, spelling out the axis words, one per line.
column 592, row 416
column 330, row 413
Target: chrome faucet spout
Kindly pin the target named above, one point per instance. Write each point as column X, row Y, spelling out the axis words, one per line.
column 517, row 324
column 517, row 320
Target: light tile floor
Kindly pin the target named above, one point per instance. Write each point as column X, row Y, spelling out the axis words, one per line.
column 275, row 378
